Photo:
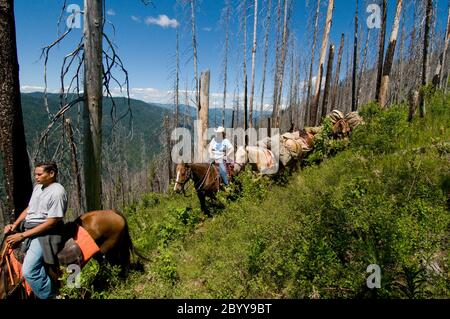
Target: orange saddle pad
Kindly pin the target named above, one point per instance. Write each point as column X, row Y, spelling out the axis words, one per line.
column 87, row 244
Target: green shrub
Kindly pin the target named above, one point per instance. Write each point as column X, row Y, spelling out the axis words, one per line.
column 380, row 198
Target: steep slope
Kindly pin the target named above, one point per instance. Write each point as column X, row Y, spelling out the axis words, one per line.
column 383, row 200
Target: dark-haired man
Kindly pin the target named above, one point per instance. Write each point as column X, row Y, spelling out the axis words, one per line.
column 42, row 228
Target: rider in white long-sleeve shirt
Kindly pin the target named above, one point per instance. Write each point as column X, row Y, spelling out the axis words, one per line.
column 220, row 150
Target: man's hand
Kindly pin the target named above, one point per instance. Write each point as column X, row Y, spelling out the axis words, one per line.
column 16, row 238
column 9, row 228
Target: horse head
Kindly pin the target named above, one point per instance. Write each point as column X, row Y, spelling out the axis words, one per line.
column 183, row 176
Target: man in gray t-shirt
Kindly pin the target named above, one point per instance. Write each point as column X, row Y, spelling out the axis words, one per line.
column 44, row 213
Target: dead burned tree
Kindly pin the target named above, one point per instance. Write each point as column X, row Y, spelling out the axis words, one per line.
column 284, row 49
column 194, row 48
column 363, row 65
column 313, row 52
column 177, row 83
column 338, row 71
column 280, row 65
column 266, row 49
column 355, row 62
column 291, row 101
column 426, row 44
column 167, row 149
column 226, row 18
column 277, row 63
column 252, row 85
column 443, row 82
column 381, row 50
column 76, row 177
column 92, row 116
column 97, row 64
column 390, row 56
column 329, row 74
column 326, row 33
column 16, row 166
column 203, row 111
column 245, row 65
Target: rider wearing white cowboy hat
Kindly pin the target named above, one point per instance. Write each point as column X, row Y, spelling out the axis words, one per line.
column 220, row 150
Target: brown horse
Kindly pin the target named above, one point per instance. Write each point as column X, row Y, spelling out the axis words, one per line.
column 108, row 228
column 205, row 178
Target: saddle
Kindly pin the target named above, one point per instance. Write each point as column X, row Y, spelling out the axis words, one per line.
column 78, row 249
column 229, row 168
column 70, row 254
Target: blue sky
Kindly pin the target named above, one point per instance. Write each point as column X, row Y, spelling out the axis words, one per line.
column 145, row 38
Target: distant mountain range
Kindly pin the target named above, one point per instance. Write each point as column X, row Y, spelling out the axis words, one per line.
column 148, row 120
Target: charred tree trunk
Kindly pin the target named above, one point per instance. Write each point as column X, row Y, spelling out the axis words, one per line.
column 326, row 91
column 390, row 56
column 381, row 50
column 177, row 83
column 225, row 71
column 245, row 106
column 283, row 62
column 426, row 44
column 313, row 52
column 355, row 62
column 266, row 49
column 326, row 33
column 363, row 64
column 203, row 111
column 75, row 168
column 252, row 85
column 444, row 71
column 13, row 145
column 92, row 116
column 338, row 71
column 168, row 147
column 194, row 48
column 245, row 66
column 277, row 64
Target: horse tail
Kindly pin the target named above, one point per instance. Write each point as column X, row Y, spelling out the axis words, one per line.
column 127, row 245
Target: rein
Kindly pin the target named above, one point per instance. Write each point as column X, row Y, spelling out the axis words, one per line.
column 204, row 178
column 196, row 185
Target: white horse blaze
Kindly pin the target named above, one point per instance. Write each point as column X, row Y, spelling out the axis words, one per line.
column 177, row 180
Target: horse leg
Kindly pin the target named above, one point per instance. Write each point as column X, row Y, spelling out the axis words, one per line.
column 201, row 198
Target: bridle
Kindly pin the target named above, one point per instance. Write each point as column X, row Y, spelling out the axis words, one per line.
column 187, row 175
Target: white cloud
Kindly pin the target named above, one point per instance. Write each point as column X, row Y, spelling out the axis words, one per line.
column 150, row 95
column 207, row 29
column 36, row 88
column 111, row 12
column 163, row 21
column 31, row 88
column 136, row 19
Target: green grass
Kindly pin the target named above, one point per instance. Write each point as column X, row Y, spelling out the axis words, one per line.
column 383, row 198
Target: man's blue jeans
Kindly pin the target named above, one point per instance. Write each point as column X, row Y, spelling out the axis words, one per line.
column 223, row 172
column 34, row 272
